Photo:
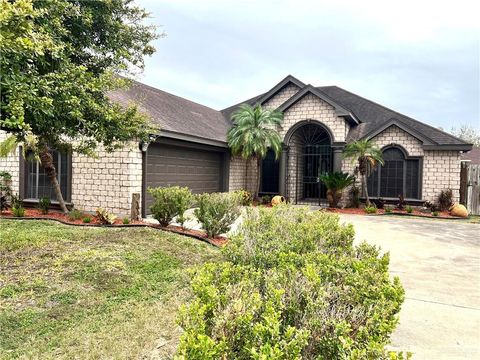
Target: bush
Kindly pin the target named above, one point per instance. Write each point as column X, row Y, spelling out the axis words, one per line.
column 266, row 199
column 388, row 209
column 105, row 217
column 75, row 214
column 44, row 204
column 370, row 209
column 292, row 286
column 245, row 197
column 216, row 212
column 18, row 211
column 126, row 221
column 87, row 220
column 445, row 200
column 409, row 209
column 169, row 202
column 5, row 189
column 435, row 213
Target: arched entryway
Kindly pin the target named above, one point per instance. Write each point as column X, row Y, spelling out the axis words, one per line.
column 309, row 155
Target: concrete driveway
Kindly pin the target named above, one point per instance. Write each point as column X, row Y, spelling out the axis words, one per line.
column 438, row 263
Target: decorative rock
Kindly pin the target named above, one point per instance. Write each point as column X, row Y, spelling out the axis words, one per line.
column 278, row 199
column 458, row 210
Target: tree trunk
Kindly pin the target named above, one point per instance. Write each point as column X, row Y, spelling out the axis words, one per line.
column 46, row 160
column 365, row 189
column 259, row 174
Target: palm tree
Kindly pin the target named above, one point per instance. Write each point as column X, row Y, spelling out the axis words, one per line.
column 368, row 156
column 254, row 133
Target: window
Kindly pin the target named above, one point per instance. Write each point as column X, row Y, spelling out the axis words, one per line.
column 37, row 183
column 399, row 176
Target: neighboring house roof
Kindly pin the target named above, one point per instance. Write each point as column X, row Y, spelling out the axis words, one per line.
column 473, row 155
column 174, row 114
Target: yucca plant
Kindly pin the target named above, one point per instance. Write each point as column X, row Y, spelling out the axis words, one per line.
column 254, row 133
column 336, row 182
column 368, row 156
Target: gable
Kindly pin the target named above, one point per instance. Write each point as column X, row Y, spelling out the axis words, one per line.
column 394, row 135
column 281, row 96
column 310, row 107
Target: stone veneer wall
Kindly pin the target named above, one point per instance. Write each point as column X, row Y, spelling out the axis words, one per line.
column 240, row 177
column 283, row 95
column 108, row 181
column 11, row 164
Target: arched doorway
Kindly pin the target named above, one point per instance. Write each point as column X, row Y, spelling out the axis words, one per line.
column 309, row 156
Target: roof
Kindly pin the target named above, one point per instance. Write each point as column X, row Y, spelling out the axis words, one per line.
column 372, row 116
column 176, row 115
column 173, row 113
column 473, row 156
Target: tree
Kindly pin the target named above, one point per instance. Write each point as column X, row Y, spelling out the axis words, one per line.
column 254, row 133
column 467, row 133
column 59, row 60
column 368, row 156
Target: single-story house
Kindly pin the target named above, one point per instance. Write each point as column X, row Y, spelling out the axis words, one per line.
column 191, row 150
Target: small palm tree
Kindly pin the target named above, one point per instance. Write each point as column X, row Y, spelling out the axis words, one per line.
column 336, row 182
column 254, row 133
column 368, row 156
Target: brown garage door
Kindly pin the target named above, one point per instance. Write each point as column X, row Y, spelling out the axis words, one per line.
column 168, row 165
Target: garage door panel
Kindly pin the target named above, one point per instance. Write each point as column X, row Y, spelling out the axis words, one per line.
column 169, row 165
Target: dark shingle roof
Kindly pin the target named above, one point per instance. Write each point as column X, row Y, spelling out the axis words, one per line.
column 182, row 116
column 373, row 116
column 175, row 114
column 473, row 155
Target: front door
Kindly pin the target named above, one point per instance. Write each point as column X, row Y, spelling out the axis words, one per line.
column 317, row 160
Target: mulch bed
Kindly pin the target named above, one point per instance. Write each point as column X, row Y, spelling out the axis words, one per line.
column 417, row 213
column 35, row 214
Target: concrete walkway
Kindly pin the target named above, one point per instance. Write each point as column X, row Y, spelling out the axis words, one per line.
column 438, row 263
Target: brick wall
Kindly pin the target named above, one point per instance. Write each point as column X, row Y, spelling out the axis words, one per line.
column 242, row 175
column 283, row 95
column 11, row 164
column 107, row 181
column 311, row 107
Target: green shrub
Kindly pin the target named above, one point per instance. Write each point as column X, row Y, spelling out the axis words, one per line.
column 169, row 202
column 388, row 209
column 435, row 213
column 266, row 199
column 126, row 221
column 445, row 200
column 75, row 214
column 5, row 189
column 409, row 209
column 44, row 204
column 18, row 211
column 105, row 217
column 372, row 209
column 246, row 197
column 292, row 286
column 87, row 220
column 216, row 212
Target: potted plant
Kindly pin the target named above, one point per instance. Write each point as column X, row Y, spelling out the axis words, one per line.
column 336, row 182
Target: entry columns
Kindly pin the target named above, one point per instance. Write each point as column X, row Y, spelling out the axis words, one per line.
column 337, row 150
column 283, row 171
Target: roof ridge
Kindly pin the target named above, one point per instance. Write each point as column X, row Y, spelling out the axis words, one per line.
column 398, row 113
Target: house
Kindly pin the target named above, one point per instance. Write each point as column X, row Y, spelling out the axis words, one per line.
column 191, row 150
column 473, row 156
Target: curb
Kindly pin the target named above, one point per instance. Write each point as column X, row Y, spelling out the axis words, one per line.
column 198, row 237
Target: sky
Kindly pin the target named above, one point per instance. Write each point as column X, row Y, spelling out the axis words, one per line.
column 420, row 58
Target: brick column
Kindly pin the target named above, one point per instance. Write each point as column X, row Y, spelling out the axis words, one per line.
column 283, row 171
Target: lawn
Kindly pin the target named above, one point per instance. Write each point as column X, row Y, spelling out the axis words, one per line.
column 70, row 292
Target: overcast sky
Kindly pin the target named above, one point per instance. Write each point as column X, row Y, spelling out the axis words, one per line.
column 418, row 57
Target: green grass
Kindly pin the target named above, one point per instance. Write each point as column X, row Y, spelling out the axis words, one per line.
column 69, row 292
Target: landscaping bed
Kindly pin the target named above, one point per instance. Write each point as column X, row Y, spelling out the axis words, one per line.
column 360, row 211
